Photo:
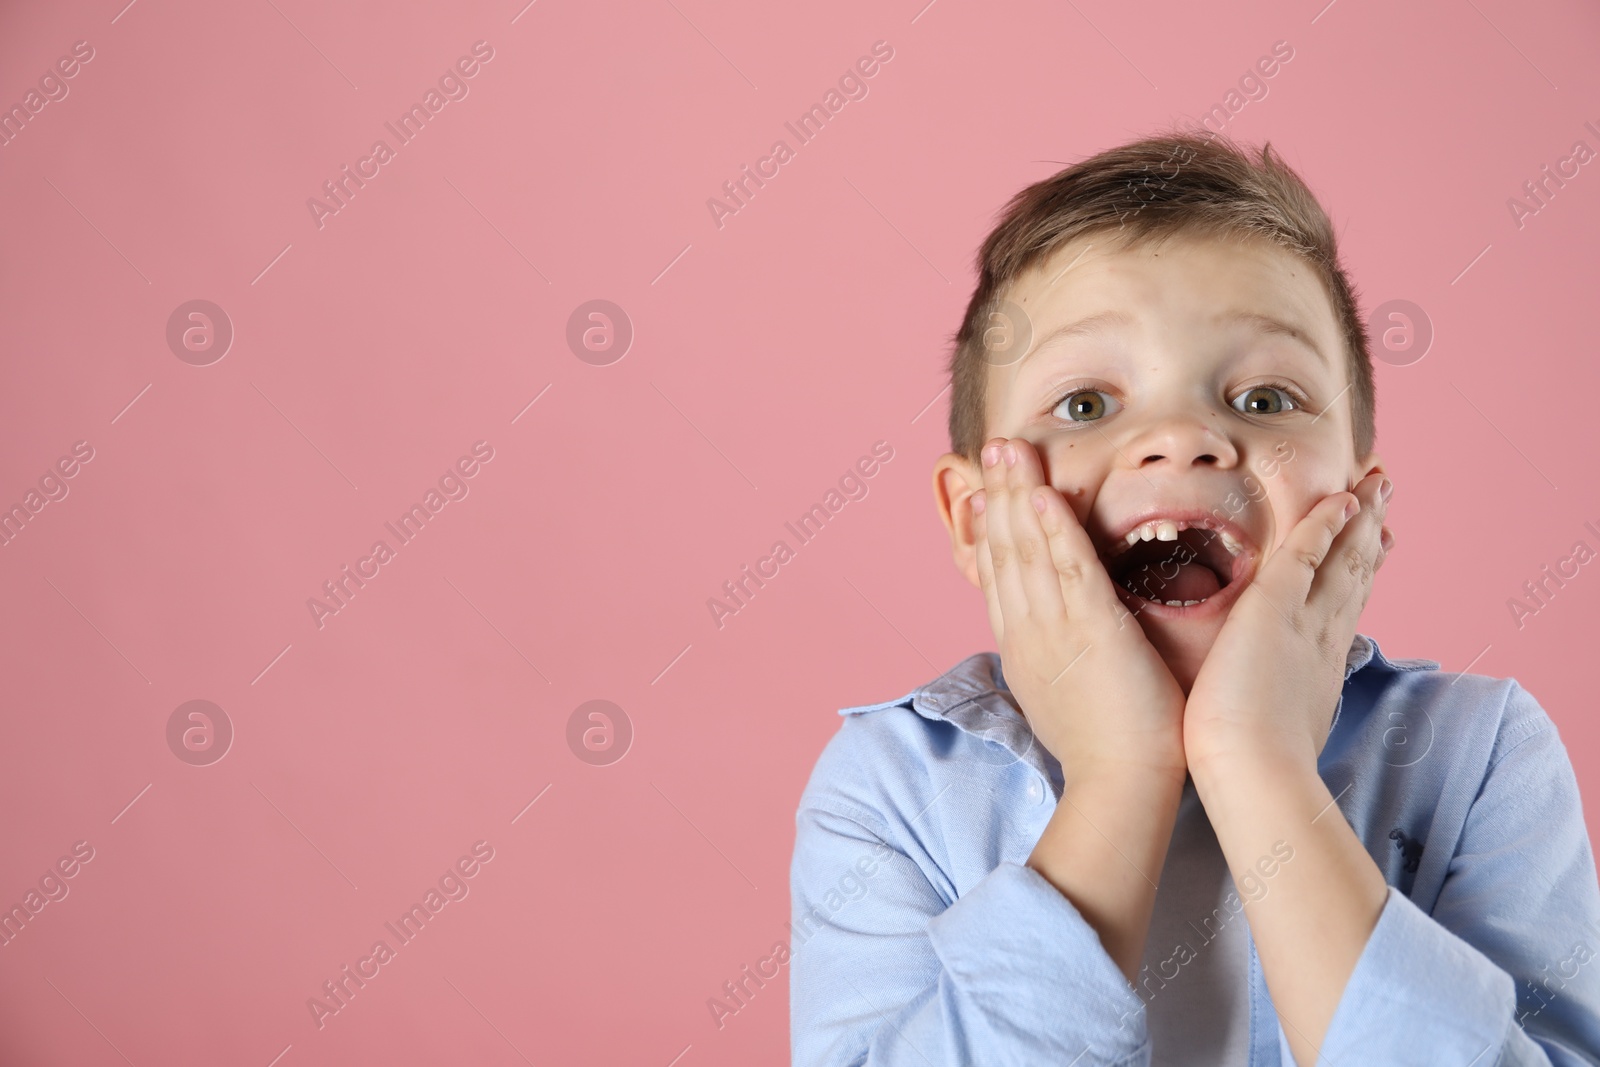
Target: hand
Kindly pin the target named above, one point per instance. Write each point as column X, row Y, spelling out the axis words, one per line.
column 1273, row 677
column 1094, row 690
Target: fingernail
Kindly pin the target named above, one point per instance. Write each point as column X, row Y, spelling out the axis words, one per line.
column 1385, row 488
column 991, row 455
column 977, row 502
column 1351, row 508
column 1011, row 455
column 1387, row 539
column 1038, row 503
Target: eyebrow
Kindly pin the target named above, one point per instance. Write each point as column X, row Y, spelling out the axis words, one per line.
column 1106, row 321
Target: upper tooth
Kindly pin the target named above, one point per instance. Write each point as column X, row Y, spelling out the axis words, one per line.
column 1163, row 529
column 1167, row 530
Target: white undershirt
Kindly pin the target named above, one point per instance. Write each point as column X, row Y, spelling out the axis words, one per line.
column 1197, row 997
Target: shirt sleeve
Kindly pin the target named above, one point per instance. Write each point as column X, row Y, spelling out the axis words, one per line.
column 1505, row 972
column 883, row 971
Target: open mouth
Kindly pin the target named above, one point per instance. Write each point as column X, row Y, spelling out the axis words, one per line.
column 1180, row 567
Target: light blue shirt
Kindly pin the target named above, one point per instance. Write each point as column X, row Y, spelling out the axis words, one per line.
column 920, row 937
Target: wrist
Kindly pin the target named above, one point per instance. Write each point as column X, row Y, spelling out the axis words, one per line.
column 1250, row 762
column 1142, row 773
column 1145, row 757
column 1140, row 791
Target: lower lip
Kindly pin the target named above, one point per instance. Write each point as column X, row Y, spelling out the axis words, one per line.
column 1214, row 605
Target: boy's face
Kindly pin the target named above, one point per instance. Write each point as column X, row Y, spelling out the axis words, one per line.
column 1186, row 408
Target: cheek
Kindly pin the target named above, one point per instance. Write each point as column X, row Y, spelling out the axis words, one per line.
column 1072, row 469
column 1291, row 499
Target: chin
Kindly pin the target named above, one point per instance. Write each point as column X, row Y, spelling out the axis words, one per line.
column 1182, row 644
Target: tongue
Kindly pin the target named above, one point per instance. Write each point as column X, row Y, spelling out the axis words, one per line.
column 1194, row 581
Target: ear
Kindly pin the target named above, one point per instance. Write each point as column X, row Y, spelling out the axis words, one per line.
column 955, row 479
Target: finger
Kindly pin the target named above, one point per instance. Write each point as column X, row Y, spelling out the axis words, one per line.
column 1287, row 576
column 1086, row 588
column 1041, row 583
column 991, row 596
column 1002, row 552
column 1385, row 546
column 1344, row 582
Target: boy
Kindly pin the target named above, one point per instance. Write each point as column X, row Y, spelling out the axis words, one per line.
column 1187, row 815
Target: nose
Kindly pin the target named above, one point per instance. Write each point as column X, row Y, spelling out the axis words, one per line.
column 1183, row 439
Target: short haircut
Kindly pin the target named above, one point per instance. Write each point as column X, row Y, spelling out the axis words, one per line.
column 1189, row 181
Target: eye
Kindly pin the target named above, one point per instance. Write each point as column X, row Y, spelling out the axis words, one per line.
column 1085, row 405
column 1266, row 400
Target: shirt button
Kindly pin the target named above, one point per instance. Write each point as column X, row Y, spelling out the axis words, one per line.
column 1035, row 794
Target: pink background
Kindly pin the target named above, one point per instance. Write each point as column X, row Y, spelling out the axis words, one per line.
column 769, row 354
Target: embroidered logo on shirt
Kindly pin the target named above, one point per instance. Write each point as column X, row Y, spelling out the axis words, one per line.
column 1410, row 849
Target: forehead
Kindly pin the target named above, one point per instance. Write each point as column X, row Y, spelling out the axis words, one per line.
column 1197, row 282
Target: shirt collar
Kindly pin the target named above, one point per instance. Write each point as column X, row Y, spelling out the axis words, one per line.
column 980, row 676
column 973, row 696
